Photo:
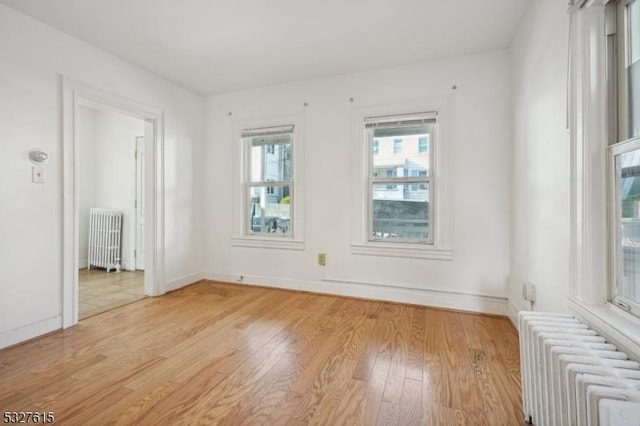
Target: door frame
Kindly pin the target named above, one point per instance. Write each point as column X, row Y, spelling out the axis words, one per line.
column 75, row 95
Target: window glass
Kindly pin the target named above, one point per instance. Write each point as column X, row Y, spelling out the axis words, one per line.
column 270, row 210
column 400, row 179
column 400, row 214
column 405, row 160
column 271, row 158
column 269, row 181
column 628, row 187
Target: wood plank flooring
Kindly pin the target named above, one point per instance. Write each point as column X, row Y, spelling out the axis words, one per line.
column 215, row 353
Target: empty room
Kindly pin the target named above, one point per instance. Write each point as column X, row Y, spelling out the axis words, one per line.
column 330, row 213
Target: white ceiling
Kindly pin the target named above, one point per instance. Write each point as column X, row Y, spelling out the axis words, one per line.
column 213, row 46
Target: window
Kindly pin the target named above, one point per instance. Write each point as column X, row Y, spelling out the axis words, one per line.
column 400, row 208
column 376, row 147
column 623, row 84
column 269, row 181
column 397, row 146
column 423, row 144
column 391, row 173
column 414, row 220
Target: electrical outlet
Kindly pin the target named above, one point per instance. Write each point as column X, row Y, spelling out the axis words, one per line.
column 322, row 259
column 529, row 291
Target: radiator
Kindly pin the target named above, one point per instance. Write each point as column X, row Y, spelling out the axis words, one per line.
column 570, row 375
column 105, row 231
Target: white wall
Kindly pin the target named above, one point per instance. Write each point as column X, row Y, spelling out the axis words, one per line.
column 107, row 173
column 481, row 174
column 86, row 176
column 33, row 56
column 540, row 158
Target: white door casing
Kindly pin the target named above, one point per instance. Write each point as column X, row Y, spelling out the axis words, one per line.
column 75, row 95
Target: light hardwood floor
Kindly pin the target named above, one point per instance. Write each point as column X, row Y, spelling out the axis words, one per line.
column 215, row 353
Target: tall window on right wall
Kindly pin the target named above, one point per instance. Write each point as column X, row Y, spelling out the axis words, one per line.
column 623, row 82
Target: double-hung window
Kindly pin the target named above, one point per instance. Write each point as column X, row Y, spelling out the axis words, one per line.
column 269, row 181
column 400, row 182
column 623, row 83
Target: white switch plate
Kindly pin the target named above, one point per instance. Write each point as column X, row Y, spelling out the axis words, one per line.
column 37, row 174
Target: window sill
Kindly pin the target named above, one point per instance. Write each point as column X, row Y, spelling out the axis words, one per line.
column 618, row 326
column 402, row 250
column 269, row 243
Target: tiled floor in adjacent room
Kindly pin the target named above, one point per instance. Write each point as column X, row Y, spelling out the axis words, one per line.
column 101, row 291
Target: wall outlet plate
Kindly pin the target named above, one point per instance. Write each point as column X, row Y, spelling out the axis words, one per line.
column 322, row 259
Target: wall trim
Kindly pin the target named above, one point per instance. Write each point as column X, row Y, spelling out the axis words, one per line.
column 30, row 331
column 512, row 313
column 183, row 281
column 433, row 298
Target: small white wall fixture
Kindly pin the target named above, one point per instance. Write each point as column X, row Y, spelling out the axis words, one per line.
column 75, row 95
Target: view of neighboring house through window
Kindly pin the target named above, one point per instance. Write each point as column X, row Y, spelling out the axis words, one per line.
column 269, row 180
column 423, row 144
column 400, row 177
column 624, row 152
column 397, row 146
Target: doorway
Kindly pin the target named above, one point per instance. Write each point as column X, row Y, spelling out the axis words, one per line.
column 145, row 181
column 111, row 210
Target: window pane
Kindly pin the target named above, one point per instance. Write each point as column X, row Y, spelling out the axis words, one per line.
column 271, row 158
column 270, row 210
column 628, row 185
column 401, row 213
column 403, row 149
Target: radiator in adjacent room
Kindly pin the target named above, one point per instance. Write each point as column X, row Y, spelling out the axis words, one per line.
column 572, row 376
column 105, row 236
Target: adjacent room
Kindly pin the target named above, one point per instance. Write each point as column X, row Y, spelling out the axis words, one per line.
column 333, row 213
column 111, row 210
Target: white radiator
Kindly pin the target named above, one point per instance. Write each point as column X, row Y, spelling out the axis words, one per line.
column 105, row 230
column 569, row 372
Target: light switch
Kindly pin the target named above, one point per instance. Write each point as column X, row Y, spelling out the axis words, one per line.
column 37, row 174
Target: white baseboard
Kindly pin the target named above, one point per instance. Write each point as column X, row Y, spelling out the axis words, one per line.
column 439, row 299
column 512, row 313
column 183, row 281
column 26, row 332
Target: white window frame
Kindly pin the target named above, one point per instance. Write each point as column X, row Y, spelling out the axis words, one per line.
column 615, row 257
column 619, row 143
column 590, row 179
column 440, row 246
column 393, row 181
column 241, row 183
